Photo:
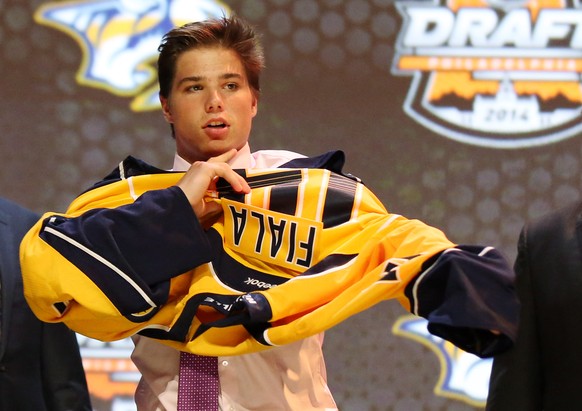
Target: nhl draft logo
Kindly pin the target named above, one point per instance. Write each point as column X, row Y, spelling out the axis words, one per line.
column 120, row 38
column 497, row 73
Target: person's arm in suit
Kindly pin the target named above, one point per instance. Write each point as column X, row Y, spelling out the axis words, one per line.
column 515, row 382
column 64, row 382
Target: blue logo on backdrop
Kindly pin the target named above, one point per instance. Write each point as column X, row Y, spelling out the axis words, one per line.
column 119, row 40
column 463, row 376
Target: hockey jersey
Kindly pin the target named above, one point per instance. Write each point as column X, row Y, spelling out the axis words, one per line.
column 309, row 247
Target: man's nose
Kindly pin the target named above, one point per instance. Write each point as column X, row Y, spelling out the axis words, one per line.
column 214, row 102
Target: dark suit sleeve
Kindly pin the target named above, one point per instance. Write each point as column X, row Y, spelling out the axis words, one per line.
column 40, row 355
column 515, row 382
column 64, row 380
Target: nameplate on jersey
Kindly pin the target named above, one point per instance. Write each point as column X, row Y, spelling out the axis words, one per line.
column 282, row 239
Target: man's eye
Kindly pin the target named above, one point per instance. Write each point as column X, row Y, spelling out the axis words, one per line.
column 195, row 87
column 232, row 86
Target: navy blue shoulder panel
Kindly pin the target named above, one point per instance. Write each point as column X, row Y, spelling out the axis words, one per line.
column 129, row 167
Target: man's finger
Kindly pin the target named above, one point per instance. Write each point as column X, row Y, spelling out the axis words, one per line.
column 225, row 157
column 236, row 181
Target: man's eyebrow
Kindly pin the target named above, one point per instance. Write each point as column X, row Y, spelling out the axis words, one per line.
column 225, row 76
column 228, row 76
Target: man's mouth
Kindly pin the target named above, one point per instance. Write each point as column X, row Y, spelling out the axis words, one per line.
column 215, row 124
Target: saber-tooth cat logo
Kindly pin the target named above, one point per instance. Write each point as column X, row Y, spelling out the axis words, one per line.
column 119, row 39
column 498, row 73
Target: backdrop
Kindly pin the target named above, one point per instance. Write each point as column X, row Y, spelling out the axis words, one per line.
column 464, row 114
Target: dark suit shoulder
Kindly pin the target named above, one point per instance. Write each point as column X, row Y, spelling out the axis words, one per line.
column 16, row 214
column 559, row 223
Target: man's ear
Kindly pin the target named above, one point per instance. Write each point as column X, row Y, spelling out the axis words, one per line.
column 255, row 106
column 166, row 109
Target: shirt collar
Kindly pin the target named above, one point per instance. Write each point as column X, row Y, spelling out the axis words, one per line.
column 243, row 159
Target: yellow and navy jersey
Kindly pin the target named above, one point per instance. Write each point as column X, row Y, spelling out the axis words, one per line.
column 308, row 247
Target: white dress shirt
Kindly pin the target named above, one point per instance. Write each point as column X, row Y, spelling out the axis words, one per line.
column 287, row 378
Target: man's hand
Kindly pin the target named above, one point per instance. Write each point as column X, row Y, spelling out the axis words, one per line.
column 202, row 177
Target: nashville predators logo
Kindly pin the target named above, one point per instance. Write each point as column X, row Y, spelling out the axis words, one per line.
column 119, row 39
column 463, row 376
column 497, row 73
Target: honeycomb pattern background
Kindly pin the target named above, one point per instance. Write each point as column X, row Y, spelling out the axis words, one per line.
column 327, row 85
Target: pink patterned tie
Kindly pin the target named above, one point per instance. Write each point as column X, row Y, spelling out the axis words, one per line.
column 198, row 386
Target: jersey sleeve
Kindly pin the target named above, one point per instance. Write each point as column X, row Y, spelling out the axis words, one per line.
column 113, row 260
column 465, row 292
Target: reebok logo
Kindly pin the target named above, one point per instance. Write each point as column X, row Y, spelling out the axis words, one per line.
column 258, row 284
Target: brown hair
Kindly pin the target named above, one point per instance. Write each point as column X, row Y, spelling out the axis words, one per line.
column 228, row 32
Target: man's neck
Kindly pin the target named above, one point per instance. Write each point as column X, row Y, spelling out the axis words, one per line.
column 243, row 159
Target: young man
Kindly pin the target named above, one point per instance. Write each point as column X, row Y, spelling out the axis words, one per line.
column 298, row 245
column 40, row 363
column 209, row 90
